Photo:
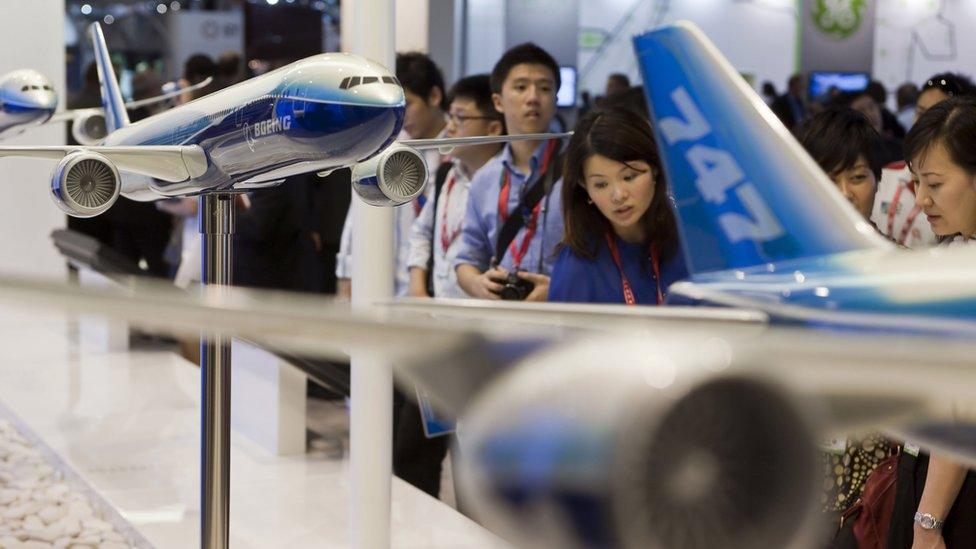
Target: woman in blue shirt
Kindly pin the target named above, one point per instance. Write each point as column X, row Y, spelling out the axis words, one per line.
column 620, row 241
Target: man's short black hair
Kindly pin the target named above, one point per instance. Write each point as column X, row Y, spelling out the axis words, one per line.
column 527, row 53
column 906, row 95
column 620, row 79
column 837, row 136
column 878, row 92
column 418, row 74
column 476, row 88
column 199, row 67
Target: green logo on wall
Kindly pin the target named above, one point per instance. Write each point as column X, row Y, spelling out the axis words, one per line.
column 838, row 18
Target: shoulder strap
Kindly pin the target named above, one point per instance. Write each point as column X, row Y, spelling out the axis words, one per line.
column 516, row 220
column 439, row 180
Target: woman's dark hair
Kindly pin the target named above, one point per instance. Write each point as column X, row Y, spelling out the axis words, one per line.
column 625, row 136
column 953, row 124
column 951, row 83
column 837, row 136
column 418, row 74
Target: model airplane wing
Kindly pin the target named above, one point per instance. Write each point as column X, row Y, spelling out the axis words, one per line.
column 167, row 96
column 66, row 115
column 168, row 163
column 448, row 144
column 636, row 422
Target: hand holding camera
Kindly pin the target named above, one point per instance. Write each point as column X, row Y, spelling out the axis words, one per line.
column 521, row 285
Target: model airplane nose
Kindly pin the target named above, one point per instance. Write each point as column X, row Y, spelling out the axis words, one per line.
column 388, row 95
column 45, row 100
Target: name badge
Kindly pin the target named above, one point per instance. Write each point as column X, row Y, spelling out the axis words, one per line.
column 835, row 445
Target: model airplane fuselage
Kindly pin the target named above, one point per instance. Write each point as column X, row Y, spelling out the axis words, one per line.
column 26, row 99
column 294, row 120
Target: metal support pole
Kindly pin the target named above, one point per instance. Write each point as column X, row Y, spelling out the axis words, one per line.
column 368, row 30
column 216, row 214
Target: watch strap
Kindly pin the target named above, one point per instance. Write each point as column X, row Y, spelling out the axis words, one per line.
column 927, row 521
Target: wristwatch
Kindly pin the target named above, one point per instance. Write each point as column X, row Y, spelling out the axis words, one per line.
column 927, row 521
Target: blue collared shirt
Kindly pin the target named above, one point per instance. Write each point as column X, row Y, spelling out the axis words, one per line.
column 482, row 223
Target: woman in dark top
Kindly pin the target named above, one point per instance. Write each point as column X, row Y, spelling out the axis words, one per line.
column 620, row 243
column 935, row 501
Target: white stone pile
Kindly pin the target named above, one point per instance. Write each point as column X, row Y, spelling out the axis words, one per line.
column 38, row 510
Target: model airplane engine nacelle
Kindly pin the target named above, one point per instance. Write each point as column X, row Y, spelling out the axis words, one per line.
column 393, row 177
column 88, row 127
column 562, row 454
column 85, row 184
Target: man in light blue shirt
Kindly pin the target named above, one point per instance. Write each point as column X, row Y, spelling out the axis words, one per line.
column 524, row 84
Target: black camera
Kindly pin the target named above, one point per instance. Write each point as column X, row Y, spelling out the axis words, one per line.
column 514, row 288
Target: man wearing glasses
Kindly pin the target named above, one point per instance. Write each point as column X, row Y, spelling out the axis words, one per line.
column 434, row 239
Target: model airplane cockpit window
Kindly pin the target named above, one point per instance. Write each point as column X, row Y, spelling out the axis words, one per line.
column 353, row 81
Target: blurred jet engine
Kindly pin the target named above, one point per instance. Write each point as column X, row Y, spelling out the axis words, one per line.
column 88, row 126
column 606, row 445
column 395, row 176
column 85, row 184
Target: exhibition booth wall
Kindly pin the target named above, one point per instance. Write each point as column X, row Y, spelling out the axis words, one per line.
column 32, row 38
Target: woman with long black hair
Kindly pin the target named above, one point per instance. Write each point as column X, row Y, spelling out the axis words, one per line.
column 620, row 242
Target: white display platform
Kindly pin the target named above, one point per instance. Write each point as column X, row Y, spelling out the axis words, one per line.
column 128, row 425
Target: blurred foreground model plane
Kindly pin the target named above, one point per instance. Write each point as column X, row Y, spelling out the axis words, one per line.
column 27, row 99
column 607, row 426
column 319, row 114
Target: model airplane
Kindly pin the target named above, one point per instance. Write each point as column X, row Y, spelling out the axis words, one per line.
column 319, row 114
column 27, row 99
column 636, row 428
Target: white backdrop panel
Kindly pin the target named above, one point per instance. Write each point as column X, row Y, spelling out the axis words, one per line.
column 757, row 36
column 32, row 37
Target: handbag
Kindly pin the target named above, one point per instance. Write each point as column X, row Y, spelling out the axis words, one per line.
column 869, row 518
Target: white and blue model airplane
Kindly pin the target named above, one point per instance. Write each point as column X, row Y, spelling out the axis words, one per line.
column 27, row 99
column 676, row 426
column 319, row 114
column 761, row 225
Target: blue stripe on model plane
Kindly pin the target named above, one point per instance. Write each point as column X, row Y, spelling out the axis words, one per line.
column 316, row 132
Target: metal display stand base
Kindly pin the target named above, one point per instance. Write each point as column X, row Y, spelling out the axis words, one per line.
column 216, row 215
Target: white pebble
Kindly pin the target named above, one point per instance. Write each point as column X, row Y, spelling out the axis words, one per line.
column 33, row 522
column 34, row 544
column 96, row 524
column 52, row 513
column 10, row 541
column 113, row 536
column 80, row 510
column 57, row 492
column 113, row 545
column 70, row 526
column 15, row 512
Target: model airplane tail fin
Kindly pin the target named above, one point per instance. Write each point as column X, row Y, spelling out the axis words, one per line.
column 745, row 191
column 116, row 115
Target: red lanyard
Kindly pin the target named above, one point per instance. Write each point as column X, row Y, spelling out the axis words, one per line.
column 893, row 209
column 629, row 298
column 518, row 251
column 448, row 237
